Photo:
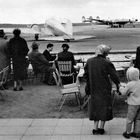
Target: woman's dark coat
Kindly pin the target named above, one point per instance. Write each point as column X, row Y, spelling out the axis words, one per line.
column 4, row 55
column 98, row 72
column 137, row 60
column 18, row 51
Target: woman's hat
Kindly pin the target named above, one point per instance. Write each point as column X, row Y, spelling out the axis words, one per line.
column 101, row 49
column 35, row 45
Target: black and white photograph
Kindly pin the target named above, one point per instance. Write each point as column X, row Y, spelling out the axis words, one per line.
column 69, row 69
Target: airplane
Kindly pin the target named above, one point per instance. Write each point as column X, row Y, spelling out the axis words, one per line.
column 53, row 30
column 59, row 30
column 113, row 23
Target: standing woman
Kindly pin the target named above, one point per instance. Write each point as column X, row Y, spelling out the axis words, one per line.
column 18, row 51
column 98, row 72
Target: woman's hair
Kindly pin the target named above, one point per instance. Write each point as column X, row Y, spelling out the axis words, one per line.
column 102, row 49
column 132, row 74
column 35, row 45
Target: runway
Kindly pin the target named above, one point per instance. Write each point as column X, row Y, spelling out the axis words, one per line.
column 117, row 38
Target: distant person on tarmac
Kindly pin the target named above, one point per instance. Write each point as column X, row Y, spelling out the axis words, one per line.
column 18, row 50
column 98, row 73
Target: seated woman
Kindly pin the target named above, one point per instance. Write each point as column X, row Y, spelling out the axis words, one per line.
column 41, row 64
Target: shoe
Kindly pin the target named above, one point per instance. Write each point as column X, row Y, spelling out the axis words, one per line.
column 135, row 135
column 15, row 88
column 126, row 135
column 95, row 132
column 20, row 88
column 101, row 131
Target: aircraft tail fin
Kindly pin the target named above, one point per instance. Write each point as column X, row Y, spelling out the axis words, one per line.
column 36, row 28
column 83, row 19
column 68, row 29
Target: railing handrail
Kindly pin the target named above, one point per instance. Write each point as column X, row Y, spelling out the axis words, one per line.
column 112, row 52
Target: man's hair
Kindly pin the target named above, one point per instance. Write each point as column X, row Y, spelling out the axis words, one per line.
column 65, row 45
column 16, row 32
column 49, row 45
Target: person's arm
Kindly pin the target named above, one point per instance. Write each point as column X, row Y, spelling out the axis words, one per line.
column 43, row 59
column 125, row 90
column 25, row 48
column 86, row 75
column 113, row 75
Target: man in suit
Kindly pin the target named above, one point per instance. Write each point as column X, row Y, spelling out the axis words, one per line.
column 47, row 53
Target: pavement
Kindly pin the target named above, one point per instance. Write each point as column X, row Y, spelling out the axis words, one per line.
column 59, row 129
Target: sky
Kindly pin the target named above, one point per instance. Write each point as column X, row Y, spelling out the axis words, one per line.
column 37, row 11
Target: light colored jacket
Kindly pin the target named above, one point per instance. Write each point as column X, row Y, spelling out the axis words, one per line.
column 132, row 88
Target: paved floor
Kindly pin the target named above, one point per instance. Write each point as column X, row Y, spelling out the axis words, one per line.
column 58, row 129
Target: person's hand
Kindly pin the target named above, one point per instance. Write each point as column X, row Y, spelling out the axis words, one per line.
column 118, row 91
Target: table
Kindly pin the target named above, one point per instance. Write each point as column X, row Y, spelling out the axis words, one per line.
column 118, row 69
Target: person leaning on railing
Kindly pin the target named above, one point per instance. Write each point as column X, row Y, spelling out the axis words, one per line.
column 98, row 72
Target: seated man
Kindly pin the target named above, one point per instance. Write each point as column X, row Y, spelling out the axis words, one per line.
column 66, row 55
column 47, row 54
column 41, row 64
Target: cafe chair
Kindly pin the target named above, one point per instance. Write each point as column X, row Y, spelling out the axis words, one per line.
column 65, row 70
column 34, row 73
column 67, row 90
column 3, row 79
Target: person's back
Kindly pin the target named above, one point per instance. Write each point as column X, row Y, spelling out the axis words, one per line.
column 66, row 55
column 4, row 57
column 132, row 89
column 99, row 69
column 18, row 48
column 98, row 72
column 38, row 60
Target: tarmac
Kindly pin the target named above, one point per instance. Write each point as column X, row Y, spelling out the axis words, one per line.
column 59, row 129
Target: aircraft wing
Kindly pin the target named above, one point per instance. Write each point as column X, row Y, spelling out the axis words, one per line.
column 107, row 22
column 61, row 38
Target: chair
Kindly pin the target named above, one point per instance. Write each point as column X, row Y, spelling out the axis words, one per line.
column 3, row 79
column 66, row 90
column 35, row 73
column 65, row 70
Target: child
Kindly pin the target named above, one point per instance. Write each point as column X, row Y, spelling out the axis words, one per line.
column 132, row 90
